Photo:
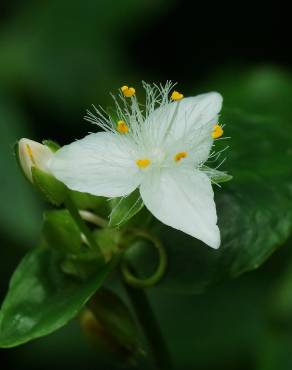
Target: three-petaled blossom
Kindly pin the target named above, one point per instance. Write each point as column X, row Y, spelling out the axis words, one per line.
column 160, row 148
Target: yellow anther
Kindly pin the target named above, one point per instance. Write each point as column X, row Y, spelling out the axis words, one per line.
column 29, row 151
column 143, row 163
column 176, row 95
column 122, row 127
column 128, row 91
column 217, row 131
column 180, row 156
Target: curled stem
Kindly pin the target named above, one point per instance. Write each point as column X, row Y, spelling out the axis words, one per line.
column 152, row 280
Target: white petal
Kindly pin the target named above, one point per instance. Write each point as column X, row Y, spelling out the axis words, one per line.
column 197, row 144
column 100, row 164
column 183, row 198
column 182, row 118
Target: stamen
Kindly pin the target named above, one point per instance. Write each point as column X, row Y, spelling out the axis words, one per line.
column 29, row 151
column 180, row 156
column 128, row 91
column 143, row 163
column 122, row 127
column 217, row 131
column 176, row 95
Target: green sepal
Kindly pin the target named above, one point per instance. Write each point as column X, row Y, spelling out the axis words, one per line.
column 123, row 209
column 61, row 232
column 109, row 324
column 51, row 145
column 53, row 190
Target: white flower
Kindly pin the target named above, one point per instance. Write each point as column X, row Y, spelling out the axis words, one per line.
column 33, row 154
column 159, row 148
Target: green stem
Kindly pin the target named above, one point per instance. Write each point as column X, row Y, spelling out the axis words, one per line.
column 161, row 266
column 93, row 218
column 84, row 229
column 150, row 327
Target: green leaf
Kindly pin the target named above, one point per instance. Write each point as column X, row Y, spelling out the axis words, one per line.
column 61, row 231
column 52, row 189
column 125, row 208
column 254, row 209
column 41, row 298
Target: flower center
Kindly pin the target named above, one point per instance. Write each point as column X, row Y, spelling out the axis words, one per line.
column 180, row 156
column 143, row 163
column 158, row 154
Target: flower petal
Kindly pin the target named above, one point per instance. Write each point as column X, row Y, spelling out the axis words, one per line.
column 101, row 164
column 196, row 144
column 183, row 198
column 182, row 118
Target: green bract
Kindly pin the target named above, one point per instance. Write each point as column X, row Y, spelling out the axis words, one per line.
column 61, row 231
column 125, row 208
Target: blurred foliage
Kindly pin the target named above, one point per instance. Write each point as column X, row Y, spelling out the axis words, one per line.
column 20, row 215
column 58, row 57
column 52, row 50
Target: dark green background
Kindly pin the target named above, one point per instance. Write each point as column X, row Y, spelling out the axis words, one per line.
column 59, row 57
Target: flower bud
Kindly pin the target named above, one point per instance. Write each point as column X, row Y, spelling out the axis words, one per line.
column 32, row 154
column 33, row 159
column 109, row 325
